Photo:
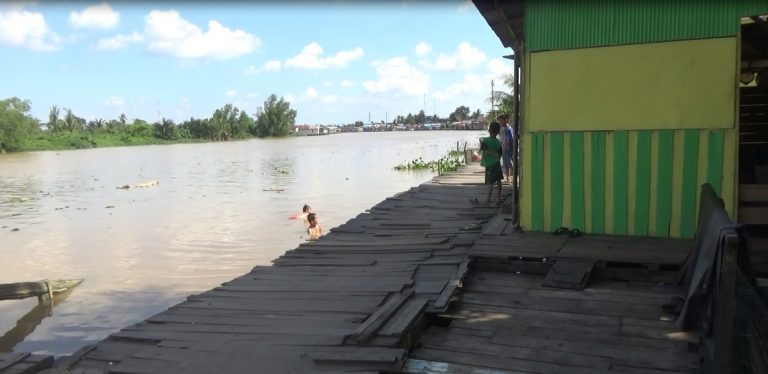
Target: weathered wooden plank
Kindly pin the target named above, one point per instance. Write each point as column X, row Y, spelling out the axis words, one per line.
column 29, row 364
column 8, row 359
column 442, row 339
column 570, row 274
column 280, row 305
column 753, row 193
column 377, row 320
column 405, row 317
column 23, row 290
column 287, row 338
column 502, row 362
column 360, row 354
column 753, row 215
column 416, row 366
column 619, row 351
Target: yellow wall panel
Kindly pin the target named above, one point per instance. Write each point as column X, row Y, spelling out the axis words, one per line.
column 671, row 85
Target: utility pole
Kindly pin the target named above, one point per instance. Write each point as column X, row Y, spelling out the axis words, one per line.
column 425, row 107
column 493, row 112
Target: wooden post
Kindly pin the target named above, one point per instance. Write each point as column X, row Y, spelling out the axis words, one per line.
column 726, row 299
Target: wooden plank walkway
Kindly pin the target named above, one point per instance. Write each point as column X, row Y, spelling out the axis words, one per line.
column 506, row 321
column 423, row 282
column 348, row 302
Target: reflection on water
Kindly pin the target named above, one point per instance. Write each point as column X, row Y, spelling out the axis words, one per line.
column 219, row 210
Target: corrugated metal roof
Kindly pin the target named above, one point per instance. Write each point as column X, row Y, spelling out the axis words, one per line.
column 566, row 24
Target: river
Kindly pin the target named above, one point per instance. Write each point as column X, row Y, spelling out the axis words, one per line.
column 219, row 209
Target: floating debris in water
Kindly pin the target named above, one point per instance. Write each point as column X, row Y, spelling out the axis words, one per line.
column 109, row 206
column 16, row 229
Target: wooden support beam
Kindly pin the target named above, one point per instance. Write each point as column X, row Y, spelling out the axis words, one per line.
column 23, row 290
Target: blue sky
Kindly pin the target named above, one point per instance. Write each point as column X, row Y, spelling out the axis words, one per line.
column 334, row 61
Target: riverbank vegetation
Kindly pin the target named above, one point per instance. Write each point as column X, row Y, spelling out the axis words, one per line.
column 451, row 162
column 20, row 131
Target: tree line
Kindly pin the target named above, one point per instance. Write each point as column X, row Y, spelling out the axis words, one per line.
column 64, row 129
column 20, row 131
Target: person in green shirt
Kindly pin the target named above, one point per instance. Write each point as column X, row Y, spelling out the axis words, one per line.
column 491, row 149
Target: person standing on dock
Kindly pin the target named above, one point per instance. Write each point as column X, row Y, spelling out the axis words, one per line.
column 491, row 149
column 507, row 143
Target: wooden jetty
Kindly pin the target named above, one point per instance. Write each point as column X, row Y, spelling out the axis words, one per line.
column 352, row 301
column 425, row 282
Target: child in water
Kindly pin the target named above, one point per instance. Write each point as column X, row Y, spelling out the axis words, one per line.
column 303, row 215
column 314, row 230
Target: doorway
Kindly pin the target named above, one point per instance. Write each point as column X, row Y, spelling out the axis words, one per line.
column 753, row 136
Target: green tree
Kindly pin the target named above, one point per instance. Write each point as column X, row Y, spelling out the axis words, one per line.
column 275, row 118
column 461, row 113
column 166, row 129
column 72, row 122
column 54, row 119
column 503, row 102
column 421, row 117
column 225, row 122
column 96, row 125
column 244, row 126
column 198, row 128
column 139, row 128
column 16, row 125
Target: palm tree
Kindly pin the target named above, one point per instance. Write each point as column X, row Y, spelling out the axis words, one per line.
column 53, row 119
column 503, row 102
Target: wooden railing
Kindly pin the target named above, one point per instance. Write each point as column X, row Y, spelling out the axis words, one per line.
column 735, row 336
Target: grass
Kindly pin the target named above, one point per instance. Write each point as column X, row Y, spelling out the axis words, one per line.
column 83, row 140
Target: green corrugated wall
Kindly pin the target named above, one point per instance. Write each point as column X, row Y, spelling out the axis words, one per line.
column 568, row 24
column 643, row 183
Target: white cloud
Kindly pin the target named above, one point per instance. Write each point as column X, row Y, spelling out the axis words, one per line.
column 119, row 41
column 231, row 93
column 311, row 92
column 169, row 34
column 310, row 57
column 422, row 49
column 347, row 83
column 115, row 101
column 27, row 30
column 329, row 99
column 471, row 86
column 465, row 57
column 96, row 16
column 271, row 65
column 498, row 67
column 396, row 74
column 251, row 95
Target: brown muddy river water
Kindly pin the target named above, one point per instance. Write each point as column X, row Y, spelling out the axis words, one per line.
column 209, row 220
